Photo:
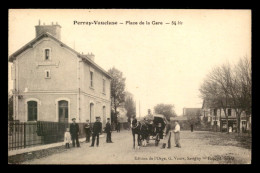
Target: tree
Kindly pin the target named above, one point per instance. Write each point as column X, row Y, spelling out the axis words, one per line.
column 165, row 109
column 10, row 108
column 228, row 87
column 130, row 108
column 193, row 117
column 241, row 88
column 214, row 89
column 117, row 91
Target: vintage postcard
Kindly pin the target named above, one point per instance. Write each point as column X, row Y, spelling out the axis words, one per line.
column 129, row 86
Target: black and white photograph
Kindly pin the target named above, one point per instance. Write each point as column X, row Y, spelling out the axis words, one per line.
column 129, row 86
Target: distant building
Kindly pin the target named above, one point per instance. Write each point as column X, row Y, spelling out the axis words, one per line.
column 194, row 111
column 53, row 82
column 179, row 118
column 216, row 117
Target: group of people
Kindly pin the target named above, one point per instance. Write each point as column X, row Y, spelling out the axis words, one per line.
column 72, row 133
column 146, row 127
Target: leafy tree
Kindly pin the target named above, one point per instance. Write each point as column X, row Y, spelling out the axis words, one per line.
column 117, row 91
column 165, row 109
column 193, row 117
column 130, row 108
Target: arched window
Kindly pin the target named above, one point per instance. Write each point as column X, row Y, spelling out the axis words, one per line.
column 32, row 110
column 63, row 111
column 91, row 111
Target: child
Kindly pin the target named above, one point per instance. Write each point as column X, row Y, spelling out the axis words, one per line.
column 67, row 138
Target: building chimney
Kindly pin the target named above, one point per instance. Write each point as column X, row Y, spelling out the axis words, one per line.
column 91, row 56
column 52, row 29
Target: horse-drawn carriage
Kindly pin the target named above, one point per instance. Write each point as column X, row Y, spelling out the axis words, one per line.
column 156, row 127
column 151, row 127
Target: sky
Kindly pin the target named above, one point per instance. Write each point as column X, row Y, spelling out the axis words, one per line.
column 162, row 63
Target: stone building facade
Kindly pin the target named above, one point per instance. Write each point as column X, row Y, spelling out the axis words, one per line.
column 52, row 82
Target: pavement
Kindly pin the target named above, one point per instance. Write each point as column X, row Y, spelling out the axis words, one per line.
column 41, row 147
column 197, row 148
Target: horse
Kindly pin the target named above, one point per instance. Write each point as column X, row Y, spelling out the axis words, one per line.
column 136, row 130
column 144, row 134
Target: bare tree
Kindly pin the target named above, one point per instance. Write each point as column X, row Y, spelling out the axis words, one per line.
column 228, row 87
column 241, row 88
column 214, row 90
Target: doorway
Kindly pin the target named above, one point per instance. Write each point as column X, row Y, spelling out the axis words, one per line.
column 104, row 115
column 63, row 111
column 91, row 117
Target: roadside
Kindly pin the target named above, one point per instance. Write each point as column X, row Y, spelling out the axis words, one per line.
column 25, row 154
column 199, row 147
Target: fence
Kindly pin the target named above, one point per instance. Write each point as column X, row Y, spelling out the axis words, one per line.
column 27, row 134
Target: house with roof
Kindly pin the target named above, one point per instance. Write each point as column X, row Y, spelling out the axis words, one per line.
column 52, row 82
column 193, row 111
column 192, row 114
column 220, row 121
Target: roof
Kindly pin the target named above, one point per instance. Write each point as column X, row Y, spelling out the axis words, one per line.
column 151, row 116
column 179, row 118
column 46, row 34
column 192, row 110
column 158, row 115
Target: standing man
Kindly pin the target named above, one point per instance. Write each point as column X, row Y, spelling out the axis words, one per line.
column 74, row 131
column 176, row 131
column 118, row 126
column 108, row 130
column 87, row 131
column 191, row 127
column 97, row 128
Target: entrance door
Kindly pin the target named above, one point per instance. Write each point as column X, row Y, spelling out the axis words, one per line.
column 63, row 111
column 104, row 115
column 243, row 126
column 32, row 110
column 215, row 126
column 91, row 111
